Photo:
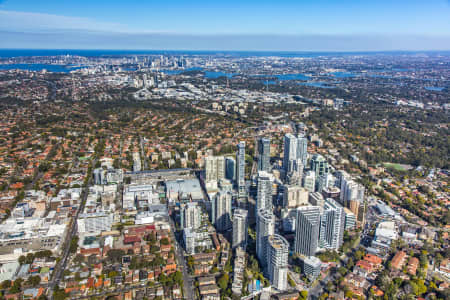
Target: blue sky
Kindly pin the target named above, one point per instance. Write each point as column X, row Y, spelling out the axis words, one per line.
column 329, row 25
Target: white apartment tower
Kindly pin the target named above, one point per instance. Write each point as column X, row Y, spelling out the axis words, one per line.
column 278, row 253
column 264, row 191
column 240, row 169
column 265, row 227
column 240, row 228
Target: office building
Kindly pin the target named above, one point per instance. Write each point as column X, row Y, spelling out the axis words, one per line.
column 295, row 177
column 294, row 196
column 265, row 227
column 331, row 192
column 309, row 181
column 221, row 210
column 240, row 228
column 358, row 208
column 340, row 176
column 316, row 199
column 99, row 177
column 307, row 230
column 264, row 154
column 350, row 190
column 319, row 165
column 352, row 196
column 325, row 181
column 301, row 128
column 230, row 168
column 264, row 190
column 295, row 152
column 332, row 224
column 302, row 149
column 191, row 214
column 311, row 266
column 290, row 152
column 289, row 220
column 278, row 252
column 350, row 219
column 240, row 169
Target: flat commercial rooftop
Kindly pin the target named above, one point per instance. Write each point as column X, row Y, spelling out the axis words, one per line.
column 184, row 187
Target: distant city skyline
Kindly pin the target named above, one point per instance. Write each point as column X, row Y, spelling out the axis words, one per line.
column 323, row 25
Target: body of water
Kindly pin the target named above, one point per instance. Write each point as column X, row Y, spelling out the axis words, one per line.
column 380, row 76
column 292, row 77
column 213, row 75
column 318, row 84
column 40, row 67
column 434, row 88
column 343, row 74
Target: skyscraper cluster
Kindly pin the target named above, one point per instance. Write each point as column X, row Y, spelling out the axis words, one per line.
column 313, row 202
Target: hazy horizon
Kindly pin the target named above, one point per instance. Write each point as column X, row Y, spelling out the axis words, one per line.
column 177, row 42
column 322, row 25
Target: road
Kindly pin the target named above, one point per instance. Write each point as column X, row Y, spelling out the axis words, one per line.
column 58, row 272
column 188, row 284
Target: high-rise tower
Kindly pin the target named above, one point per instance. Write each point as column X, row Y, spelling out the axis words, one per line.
column 264, row 154
column 277, row 252
column 264, row 191
column 240, row 228
column 307, row 230
column 240, row 169
column 190, row 215
column 332, row 224
column 265, row 226
column 221, row 210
